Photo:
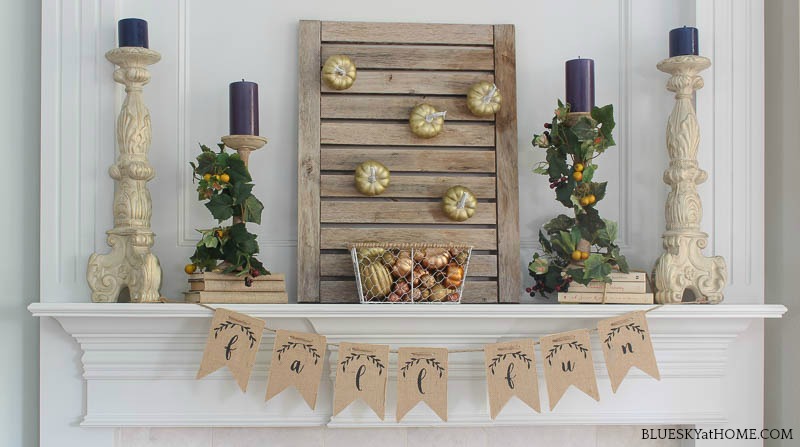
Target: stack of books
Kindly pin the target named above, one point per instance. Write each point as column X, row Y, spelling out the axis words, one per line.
column 624, row 288
column 211, row 288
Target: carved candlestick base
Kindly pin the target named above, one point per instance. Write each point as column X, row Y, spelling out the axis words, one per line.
column 130, row 265
column 683, row 268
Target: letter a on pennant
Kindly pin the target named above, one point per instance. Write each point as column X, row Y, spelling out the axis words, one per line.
column 297, row 360
column 511, row 371
column 232, row 341
column 422, row 377
column 626, row 343
column 361, row 373
column 568, row 361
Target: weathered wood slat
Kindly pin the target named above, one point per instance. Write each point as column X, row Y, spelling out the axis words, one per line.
column 414, row 57
column 414, row 82
column 338, row 237
column 399, row 134
column 393, row 107
column 409, row 160
column 308, row 163
column 507, row 183
column 407, row 33
column 410, row 186
column 342, row 265
column 400, row 213
column 345, row 291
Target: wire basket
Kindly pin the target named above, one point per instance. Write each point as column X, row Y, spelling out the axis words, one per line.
column 410, row 273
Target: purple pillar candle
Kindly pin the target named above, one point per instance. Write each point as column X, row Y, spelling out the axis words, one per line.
column 580, row 85
column 244, row 108
column 683, row 42
column 132, row 33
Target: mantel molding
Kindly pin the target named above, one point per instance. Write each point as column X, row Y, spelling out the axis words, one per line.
column 140, row 360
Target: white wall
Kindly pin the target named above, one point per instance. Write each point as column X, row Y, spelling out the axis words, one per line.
column 782, row 43
column 19, row 272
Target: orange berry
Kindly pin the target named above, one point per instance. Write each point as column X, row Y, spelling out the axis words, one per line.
column 225, row 178
column 585, row 201
column 584, row 255
column 578, row 167
column 189, row 268
column 578, row 176
column 592, row 199
column 577, row 255
column 207, row 177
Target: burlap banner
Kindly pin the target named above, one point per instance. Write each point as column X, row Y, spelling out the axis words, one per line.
column 297, row 360
column 626, row 343
column 422, row 377
column 511, row 371
column 232, row 341
column 568, row 361
column 361, row 373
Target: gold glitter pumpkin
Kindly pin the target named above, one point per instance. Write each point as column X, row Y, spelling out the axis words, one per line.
column 371, row 178
column 484, row 99
column 339, row 72
column 426, row 121
column 459, row 203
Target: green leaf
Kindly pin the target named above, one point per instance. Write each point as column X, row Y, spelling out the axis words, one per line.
column 252, row 209
column 221, row 206
column 540, row 168
column 596, row 267
column 605, row 118
column 560, row 223
column 557, row 164
column 622, row 263
column 599, row 190
column 546, row 245
column 590, row 223
column 584, row 129
column 241, row 192
column 564, row 192
column 578, row 275
column 237, row 170
column 608, row 234
column 588, row 172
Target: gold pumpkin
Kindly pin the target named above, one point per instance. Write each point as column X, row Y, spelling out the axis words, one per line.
column 459, row 203
column 375, row 280
column 426, row 121
column 484, row 99
column 371, row 178
column 339, row 72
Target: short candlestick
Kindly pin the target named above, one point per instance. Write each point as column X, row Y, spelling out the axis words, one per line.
column 243, row 145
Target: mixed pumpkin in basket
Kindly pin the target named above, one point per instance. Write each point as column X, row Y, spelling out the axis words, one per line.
column 411, row 274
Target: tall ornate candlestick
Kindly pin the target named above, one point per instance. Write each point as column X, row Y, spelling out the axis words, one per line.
column 130, row 264
column 683, row 267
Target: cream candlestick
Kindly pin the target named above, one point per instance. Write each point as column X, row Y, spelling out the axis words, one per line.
column 683, row 267
column 130, row 265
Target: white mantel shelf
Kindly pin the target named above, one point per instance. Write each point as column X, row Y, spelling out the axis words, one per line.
column 139, row 362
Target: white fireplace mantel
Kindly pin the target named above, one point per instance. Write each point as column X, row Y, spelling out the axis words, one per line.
column 140, row 360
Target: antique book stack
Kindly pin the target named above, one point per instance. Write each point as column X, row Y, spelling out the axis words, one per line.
column 221, row 288
column 624, row 288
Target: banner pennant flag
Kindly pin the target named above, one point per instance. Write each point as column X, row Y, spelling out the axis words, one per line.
column 361, row 374
column 568, row 361
column 422, row 377
column 511, row 371
column 297, row 360
column 626, row 343
column 232, row 341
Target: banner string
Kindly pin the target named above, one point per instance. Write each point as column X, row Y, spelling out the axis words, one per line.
column 394, row 351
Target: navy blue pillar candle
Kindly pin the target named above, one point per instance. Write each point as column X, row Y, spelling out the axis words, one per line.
column 244, row 108
column 133, row 33
column 580, row 85
column 683, row 42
